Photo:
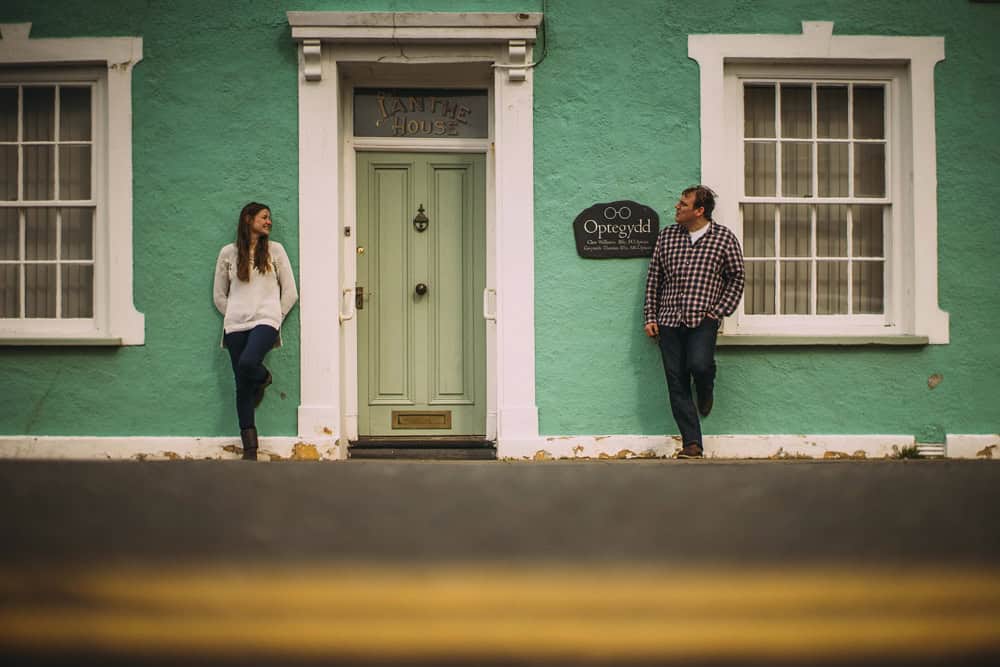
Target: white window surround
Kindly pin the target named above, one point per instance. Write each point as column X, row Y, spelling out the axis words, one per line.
column 914, row 316
column 333, row 44
column 116, row 320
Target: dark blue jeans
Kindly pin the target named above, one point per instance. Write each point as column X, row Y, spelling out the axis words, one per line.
column 689, row 353
column 246, row 351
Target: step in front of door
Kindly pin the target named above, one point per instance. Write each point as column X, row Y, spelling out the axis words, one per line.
column 428, row 449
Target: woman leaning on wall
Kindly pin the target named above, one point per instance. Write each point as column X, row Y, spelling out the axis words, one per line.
column 254, row 290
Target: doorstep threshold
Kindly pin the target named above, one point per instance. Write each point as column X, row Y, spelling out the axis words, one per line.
column 427, row 448
column 411, row 442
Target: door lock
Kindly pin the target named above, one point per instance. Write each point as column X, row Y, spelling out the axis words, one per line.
column 359, row 298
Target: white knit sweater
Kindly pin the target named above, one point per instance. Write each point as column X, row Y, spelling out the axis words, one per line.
column 265, row 299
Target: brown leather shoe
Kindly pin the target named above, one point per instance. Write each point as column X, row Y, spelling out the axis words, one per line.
column 705, row 405
column 691, row 451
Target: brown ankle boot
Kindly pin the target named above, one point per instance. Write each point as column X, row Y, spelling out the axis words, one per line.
column 259, row 396
column 249, row 438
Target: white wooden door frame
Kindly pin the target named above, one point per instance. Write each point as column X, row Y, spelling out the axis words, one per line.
column 332, row 41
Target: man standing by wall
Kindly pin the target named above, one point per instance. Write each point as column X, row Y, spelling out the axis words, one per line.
column 695, row 279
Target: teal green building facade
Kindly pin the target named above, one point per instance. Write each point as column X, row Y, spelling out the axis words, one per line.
column 220, row 104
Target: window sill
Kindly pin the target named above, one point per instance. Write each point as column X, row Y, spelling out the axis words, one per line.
column 81, row 341
column 760, row 340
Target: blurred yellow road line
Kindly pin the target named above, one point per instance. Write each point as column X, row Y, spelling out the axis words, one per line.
column 502, row 612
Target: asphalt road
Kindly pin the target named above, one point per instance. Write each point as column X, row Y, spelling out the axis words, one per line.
column 565, row 562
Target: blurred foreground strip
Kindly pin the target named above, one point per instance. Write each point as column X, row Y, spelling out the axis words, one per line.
column 501, row 613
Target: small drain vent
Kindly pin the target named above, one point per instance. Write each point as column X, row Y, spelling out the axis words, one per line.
column 930, row 451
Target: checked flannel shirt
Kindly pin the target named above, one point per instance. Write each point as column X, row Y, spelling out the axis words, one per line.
column 687, row 282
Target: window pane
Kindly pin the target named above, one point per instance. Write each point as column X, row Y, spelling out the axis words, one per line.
column 796, row 285
column 796, row 170
column 758, row 230
column 796, row 111
column 8, row 113
column 834, row 170
column 759, row 169
column 831, row 288
column 867, row 236
column 869, row 170
column 77, row 233
column 8, row 173
column 9, row 233
column 758, row 111
column 10, row 290
column 831, row 112
column 869, row 287
column 74, row 172
column 39, row 290
column 74, row 114
column 77, row 290
column 39, row 113
column 758, row 299
column 869, row 112
column 795, row 226
column 39, row 172
column 831, row 231
column 39, row 233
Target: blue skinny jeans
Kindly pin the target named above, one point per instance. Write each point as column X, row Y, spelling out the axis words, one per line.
column 247, row 350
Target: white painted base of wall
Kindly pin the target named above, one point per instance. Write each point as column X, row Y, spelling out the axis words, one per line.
column 716, row 446
column 973, row 446
column 141, row 448
column 580, row 447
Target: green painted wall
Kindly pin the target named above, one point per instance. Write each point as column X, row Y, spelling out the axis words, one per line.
column 597, row 109
column 616, row 116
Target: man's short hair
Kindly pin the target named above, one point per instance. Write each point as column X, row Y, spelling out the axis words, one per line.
column 704, row 198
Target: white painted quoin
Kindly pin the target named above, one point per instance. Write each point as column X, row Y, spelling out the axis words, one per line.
column 339, row 49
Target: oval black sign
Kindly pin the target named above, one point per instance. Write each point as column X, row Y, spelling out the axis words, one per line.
column 618, row 229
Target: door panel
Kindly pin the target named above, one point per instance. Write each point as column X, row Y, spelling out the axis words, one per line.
column 452, row 329
column 390, row 352
column 421, row 355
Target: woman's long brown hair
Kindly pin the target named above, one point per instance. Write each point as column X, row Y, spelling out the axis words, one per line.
column 261, row 256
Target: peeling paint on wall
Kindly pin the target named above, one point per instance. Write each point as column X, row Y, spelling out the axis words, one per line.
column 620, row 454
column 304, row 452
column 838, row 456
column 781, row 454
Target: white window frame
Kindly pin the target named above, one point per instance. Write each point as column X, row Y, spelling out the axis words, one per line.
column 106, row 63
column 912, row 315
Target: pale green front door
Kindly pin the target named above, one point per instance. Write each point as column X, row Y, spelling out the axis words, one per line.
column 421, row 333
